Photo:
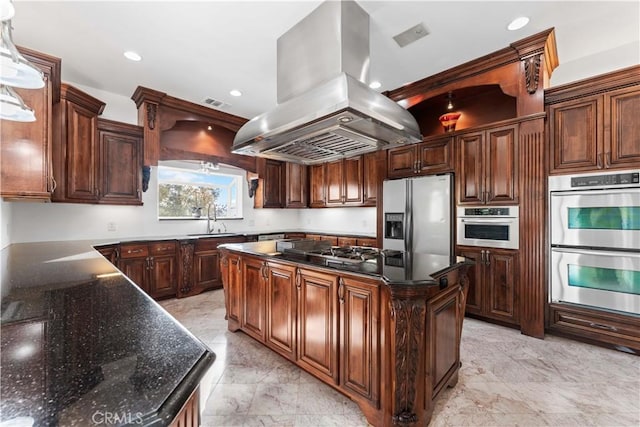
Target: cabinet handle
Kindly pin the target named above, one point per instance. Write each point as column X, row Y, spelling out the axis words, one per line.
column 53, row 184
column 263, row 270
column 134, row 251
column 239, row 262
column 487, row 260
column 605, row 327
column 298, row 279
column 599, row 162
column 607, row 159
column 138, row 191
column 146, row 260
column 488, row 197
column 341, row 291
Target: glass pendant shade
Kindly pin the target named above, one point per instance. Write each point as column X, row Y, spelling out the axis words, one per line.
column 6, row 10
column 15, row 70
column 13, row 108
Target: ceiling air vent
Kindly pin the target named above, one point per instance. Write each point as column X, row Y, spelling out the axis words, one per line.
column 411, row 35
column 215, row 103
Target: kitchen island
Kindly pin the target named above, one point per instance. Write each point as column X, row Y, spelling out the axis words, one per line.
column 384, row 330
column 83, row 345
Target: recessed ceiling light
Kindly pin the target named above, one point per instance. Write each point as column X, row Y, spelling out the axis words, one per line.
column 375, row 84
column 518, row 23
column 132, row 56
column 235, row 92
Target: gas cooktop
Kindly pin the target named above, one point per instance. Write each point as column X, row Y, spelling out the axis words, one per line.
column 323, row 248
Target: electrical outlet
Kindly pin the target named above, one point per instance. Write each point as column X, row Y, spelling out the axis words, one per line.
column 112, row 226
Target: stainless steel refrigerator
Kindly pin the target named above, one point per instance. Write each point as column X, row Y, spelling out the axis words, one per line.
column 418, row 214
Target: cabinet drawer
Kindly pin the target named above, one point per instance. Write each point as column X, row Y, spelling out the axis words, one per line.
column 596, row 325
column 134, row 251
column 163, row 248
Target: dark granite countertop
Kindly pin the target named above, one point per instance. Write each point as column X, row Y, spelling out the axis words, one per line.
column 80, row 340
column 394, row 267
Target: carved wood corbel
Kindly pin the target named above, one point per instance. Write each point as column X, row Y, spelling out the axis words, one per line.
column 532, row 72
column 152, row 109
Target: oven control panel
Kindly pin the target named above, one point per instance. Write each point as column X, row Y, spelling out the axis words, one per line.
column 626, row 179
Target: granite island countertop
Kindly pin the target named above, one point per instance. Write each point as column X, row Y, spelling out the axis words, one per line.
column 80, row 340
column 394, row 267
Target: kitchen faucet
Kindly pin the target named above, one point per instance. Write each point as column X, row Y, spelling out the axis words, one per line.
column 211, row 230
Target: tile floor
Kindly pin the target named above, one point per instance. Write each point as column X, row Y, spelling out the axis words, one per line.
column 506, row 379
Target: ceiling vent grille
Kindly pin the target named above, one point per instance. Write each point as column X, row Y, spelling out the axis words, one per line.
column 215, row 103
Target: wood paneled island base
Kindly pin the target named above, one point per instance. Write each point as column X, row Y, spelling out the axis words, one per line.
column 377, row 332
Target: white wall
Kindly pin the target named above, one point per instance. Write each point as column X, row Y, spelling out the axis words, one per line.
column 119, row 108
column 360, row 221
column 5, row 223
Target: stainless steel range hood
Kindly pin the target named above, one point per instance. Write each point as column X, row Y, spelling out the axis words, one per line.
column 325, row 110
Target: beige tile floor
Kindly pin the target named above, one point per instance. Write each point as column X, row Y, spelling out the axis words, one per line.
column 506, row 379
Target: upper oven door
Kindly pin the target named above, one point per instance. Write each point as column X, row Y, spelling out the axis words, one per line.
column 596, row 218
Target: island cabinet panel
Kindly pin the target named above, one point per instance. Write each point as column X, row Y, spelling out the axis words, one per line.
column 318, row 324
column 281, row 309
column 359, row 338
column 253, row 297
column 232, row 277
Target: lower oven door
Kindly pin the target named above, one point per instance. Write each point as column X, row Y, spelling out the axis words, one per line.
column 596, row 218
column 602, row 279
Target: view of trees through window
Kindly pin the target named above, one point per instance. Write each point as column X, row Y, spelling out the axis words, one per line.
column 191, row 193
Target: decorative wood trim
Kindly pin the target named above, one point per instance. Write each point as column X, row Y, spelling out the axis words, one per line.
column 119, row 127
column 532, row 73
column 151, row 115
column 78, row 97
column 532, row 274
column 243, row 162
column 51, row 64
column 187, row 248
column 625, row 77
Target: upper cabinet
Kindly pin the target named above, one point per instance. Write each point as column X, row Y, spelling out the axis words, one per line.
column 25, row 147
column 593, row 124
column 344, row 182
column 488, row 166
column 370, row 177
column 426, row 158
column 296, row 186
column 317, row 187
column 94, row 160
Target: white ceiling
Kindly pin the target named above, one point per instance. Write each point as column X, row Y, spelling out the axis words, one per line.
column 195, row 50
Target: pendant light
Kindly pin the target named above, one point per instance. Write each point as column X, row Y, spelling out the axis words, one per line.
column 16, row 71
column 12, row 107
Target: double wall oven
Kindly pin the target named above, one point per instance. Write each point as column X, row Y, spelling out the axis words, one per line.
column 595, row 240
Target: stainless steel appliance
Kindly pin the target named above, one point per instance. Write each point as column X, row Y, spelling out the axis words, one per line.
column 595, row 240
column 417, row 214
column 494, row 227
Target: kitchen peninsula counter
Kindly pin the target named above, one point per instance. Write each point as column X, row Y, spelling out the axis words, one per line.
column 82, row 345
column 385, row 330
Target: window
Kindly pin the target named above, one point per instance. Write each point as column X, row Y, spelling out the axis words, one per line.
column 186, row 191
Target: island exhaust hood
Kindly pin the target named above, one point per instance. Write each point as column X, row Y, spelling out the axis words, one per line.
column 325, row 110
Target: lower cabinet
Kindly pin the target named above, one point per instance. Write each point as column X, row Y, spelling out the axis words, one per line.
column 281, row 309
column 318, row 324
column 254, row 278
column 152, row 266
column 493, row 291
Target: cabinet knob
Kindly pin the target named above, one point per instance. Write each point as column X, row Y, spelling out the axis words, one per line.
column 599, row 161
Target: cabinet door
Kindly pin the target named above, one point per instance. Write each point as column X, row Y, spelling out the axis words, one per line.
column 347, row 241
column 353, row 181
column 474, row 295
column 317, row 186
column 576, row 135
column 370, row 179
column 401, row 161
column 500, row 282
column 335, row 183
column 623, row 141
column 501, row 167
column 281, row 309
column 120, row 168
column 359, row 337
column 25, row 147
column 253, row 294
column 296, row 186
column 206, row 270
column 435, row 156
column 136, row 269
column 81, row 162
column 163, row 276
column 233, row 287
column 273, row 196
column 318, row 324
column 471, row 168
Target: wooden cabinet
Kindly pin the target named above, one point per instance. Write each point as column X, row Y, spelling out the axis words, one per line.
column 232, row 279
column 271, row 187
column 318, row 324
column 153, row 267
column 332, row 239
column 365, row 241
column 120, row 158
column 426, row 158
column 347, row 241
column 593, row 125
column 488, row 166
column 317, row 188
column 254, row 278
column 296, row 186
column 344, row 182
column 359, row 355
column 493, row 290
column 281, row 309
column 25, row 147
column 370, row 179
